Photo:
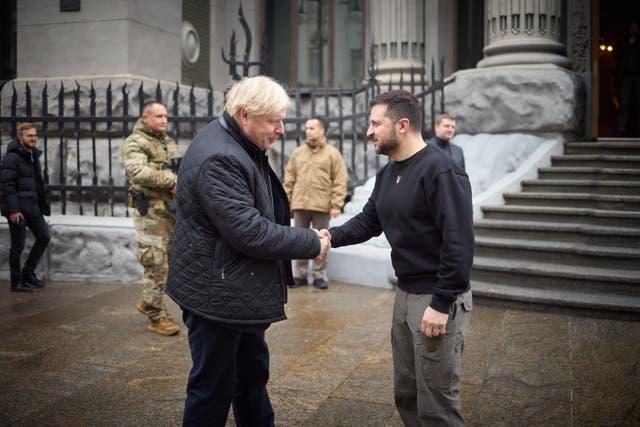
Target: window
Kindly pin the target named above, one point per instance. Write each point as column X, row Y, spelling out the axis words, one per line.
column 316, row 43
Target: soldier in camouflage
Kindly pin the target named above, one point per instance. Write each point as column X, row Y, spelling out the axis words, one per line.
column 147, row 154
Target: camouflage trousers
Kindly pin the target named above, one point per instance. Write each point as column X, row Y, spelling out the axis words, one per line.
column 153, row 234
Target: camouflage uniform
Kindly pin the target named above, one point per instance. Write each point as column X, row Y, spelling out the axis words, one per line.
column 146, row 157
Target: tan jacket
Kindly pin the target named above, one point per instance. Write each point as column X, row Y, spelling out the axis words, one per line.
column 316, row 179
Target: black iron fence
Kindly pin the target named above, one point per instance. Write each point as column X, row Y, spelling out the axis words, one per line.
column 81, row 130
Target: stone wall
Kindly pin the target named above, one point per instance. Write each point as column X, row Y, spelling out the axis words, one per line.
column 83, row 248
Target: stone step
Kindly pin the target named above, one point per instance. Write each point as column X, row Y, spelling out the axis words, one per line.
column 573, row 215
column 571, row 237
column 587, row 234
column 630, row 188
column 574, row 298
column 558, row 252
column 586, row 173
column 596, row 161
column 617, row 148
column 576, row 200
column 523, row 276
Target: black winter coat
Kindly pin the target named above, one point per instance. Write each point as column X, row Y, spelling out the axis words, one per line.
column 232, row 244
column 21, row 182
column 451, row 149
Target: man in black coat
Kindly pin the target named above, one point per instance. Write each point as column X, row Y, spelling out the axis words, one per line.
column 230, row 261
column 24, row 202
column 445, row 130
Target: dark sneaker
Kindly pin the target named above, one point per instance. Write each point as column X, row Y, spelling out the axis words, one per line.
column 299, row 281
column 32, row 279
column 21, row 286
column 320, row 283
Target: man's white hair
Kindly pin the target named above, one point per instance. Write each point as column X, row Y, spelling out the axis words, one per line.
column 258, row 95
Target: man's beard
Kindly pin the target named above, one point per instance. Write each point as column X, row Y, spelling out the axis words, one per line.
column 390, row 146
column 314, row 143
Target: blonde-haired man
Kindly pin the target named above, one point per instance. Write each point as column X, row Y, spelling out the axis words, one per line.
column 230, row 262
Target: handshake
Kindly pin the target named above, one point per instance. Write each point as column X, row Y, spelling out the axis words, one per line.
column 325, row 243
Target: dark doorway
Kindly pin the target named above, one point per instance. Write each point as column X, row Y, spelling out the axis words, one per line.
column 615, row 16
column 7, row 40
column 470, row 33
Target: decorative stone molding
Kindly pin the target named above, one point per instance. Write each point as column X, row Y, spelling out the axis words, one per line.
column 190, row 45
column 524, row 33
column 579, row 40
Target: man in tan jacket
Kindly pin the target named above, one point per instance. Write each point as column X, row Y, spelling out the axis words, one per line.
column 316, row 183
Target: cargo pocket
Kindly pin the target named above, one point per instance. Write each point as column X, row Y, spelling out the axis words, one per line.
column 441, row 361
column 467, row 301
column 151, row 256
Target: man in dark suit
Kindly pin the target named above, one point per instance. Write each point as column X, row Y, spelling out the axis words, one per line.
column 445, row 129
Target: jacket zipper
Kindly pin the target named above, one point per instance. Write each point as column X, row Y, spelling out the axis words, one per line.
column 285, row 294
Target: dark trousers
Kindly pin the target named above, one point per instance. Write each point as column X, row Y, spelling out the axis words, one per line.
column 230, row 366
column 40, row 230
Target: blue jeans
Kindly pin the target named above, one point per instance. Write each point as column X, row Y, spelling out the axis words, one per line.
column 230, row 366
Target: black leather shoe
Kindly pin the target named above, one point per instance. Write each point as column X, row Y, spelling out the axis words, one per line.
column 299, row 281
column 32, row 279
column 21, row 286
column 320, row 283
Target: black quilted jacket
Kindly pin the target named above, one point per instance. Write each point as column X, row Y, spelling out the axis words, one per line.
column 21, row 182
column 232, row 244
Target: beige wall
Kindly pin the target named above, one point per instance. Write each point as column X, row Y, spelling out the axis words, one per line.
column 106, row 37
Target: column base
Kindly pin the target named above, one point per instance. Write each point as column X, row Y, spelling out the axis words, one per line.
column 529, row 51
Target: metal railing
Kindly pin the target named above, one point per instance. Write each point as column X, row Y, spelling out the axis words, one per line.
column 64, row 131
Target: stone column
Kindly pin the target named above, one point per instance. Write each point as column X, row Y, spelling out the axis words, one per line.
column 397, row 34
column 524, row 32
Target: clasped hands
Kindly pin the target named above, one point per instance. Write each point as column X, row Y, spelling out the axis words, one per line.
column 325, row 243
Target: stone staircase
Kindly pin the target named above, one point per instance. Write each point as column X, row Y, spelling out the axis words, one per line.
column 570, row 237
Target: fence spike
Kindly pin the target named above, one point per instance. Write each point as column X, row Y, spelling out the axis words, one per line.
column 361, row 154
column 27, row 94
column 141, row 97
column 210, row 102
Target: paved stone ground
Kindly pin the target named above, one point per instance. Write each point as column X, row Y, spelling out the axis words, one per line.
column 77, row 354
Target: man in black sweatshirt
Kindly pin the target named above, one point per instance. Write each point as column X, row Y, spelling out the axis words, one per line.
column 422, row 202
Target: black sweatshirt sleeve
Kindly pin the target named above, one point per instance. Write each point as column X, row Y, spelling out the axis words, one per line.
column 360, row 228
column 452, row 210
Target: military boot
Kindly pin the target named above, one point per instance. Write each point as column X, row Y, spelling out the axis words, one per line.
column 163, row 326
column 141, row 308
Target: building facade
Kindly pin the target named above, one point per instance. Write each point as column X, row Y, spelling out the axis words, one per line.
column 313, row 43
